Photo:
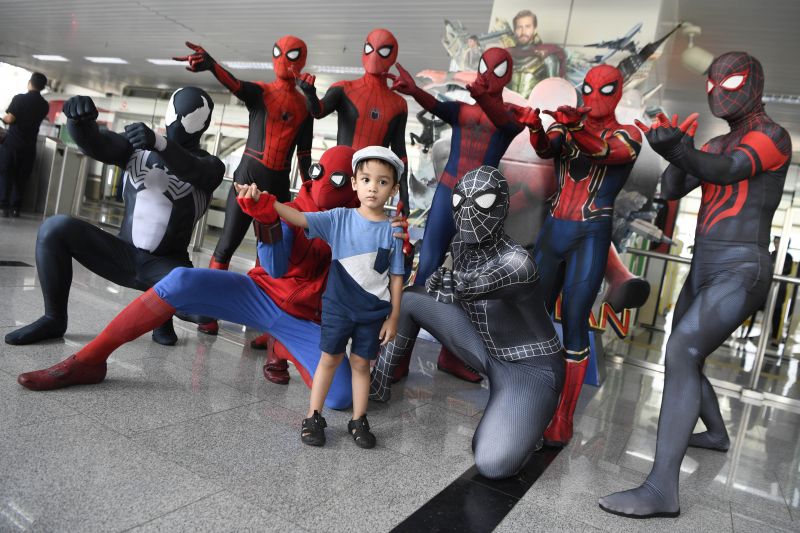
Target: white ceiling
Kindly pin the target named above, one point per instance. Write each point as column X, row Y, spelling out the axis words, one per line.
column 335, row 29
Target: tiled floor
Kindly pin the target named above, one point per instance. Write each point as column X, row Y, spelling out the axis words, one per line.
column 192, row 438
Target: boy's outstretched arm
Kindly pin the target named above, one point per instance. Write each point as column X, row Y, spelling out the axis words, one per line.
column 389, row 328
column 254, row 202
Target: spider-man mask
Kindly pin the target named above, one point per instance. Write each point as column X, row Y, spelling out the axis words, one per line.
column 330, row 185
column 380, row 51
column 495, row 67
column 602, row 90
column 480, row 205
column 735, row 85
column 289, row 57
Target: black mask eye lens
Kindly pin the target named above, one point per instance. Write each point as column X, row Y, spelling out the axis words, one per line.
column 315, row 171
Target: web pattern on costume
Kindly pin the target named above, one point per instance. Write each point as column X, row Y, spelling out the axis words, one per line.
column 486, row 263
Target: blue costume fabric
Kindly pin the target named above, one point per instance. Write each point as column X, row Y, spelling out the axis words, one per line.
column 187, row 290
column 576, row 250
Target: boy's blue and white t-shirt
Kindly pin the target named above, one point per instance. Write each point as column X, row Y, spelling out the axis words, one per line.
column 364, row 255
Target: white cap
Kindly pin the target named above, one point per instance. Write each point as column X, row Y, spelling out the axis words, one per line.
column 382, row 153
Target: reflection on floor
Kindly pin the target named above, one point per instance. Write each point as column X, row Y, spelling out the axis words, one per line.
column 193, row 438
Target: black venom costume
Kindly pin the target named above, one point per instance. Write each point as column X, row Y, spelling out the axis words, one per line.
column 488, row 312
column 168, row 185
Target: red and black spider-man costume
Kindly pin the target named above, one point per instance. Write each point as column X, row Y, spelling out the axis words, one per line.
column 741, row 175
column 593, row 156
column 481, row 135
column 368, row 112
column 279, row 122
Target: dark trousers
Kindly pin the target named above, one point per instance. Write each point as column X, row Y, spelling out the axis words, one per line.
column 15, row 167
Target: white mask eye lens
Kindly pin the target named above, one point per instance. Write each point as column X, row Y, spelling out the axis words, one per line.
column 315, row 171
column 608, row 89
column 338, row 179
column 732, row 83
column 171, row 115
column 485, row 201
column 709, row 86
column 368, row 48
column 293, row 54
column 587, row 89
column 385, row 51
column 457, row 200
column 482, row 68
column 500, row 70
column 276, row 52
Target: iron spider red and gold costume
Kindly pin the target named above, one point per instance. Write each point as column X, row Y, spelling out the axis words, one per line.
column 593, row 157
column 368, row 112
column 279, row 123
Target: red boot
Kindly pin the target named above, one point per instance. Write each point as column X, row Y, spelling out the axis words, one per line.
column 625, row 291
column 276, row 369
column 453, row 365
column 212, row 328
column 559, row 432
column 401, row 370
column 68, row 372
column 283, row 354
column 262, row 342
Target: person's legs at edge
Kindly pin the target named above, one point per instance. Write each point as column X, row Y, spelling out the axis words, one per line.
column 730, row 299
column 60, row 239
column 188, row 290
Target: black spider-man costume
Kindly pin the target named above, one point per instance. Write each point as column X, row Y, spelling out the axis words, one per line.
column 168, row 186
column 368, row 112
column 741, row 175
column 488, row 312
column 279, row 122
column 429, row 131
column 593, row 157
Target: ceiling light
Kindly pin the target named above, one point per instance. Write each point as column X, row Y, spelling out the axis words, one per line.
column 166, row 62
column 109, row 60
column 695, row 58
column 46, row 57
column 333, row 69
column 248, row 65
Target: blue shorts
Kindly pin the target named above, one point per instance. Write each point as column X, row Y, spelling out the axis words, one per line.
column 337, row 329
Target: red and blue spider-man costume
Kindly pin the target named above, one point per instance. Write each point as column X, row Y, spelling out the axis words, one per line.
column 279, row 122
column 481, row 134
column 593, row 156
column 282, row 296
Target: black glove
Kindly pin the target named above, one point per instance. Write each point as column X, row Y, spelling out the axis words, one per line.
column 667, row 142
column 440, row 285
column 140, row 136
column 80, row 108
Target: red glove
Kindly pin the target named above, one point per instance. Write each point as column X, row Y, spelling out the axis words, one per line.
column 262, row 210
column 407, row 248
column 568, row 115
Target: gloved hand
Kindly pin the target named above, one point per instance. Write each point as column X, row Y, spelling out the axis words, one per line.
column 80, row 108
column 568, row 115
column 306, row 84
column 199, row 61
column 143, row 138
column 667, row 138
column 529, row 118
column 258, row 204
column 402, row 82
column 440, row 285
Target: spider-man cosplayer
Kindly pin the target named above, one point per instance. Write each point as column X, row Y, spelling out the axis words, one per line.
column 282, row 296
column 279, row 123
column 488, row 312
column 369, row 114
column 593, row 156
column 168, row 184
column 741, row 175
column 476, row 140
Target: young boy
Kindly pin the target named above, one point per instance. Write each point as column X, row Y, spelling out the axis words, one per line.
column 365, row 283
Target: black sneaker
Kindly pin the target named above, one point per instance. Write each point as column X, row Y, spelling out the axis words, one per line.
column 359, row 429
column 313, row 431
